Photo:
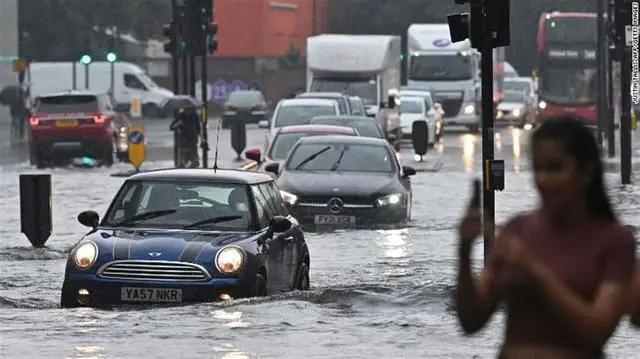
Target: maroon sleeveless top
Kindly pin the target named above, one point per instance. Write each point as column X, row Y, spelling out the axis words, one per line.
column 582, row 256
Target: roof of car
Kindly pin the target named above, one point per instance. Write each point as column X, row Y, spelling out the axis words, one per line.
column 203, row 175
column 414, row 90
column 73, row 93
column 354, row 140
column 345, row 118
column 320, row 95
column 316, row 129
column 410, row 98
column 308, row 102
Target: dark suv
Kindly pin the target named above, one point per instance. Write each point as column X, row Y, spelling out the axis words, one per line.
column 77, row 123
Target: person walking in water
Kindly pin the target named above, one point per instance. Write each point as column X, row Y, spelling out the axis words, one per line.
column 562, row 269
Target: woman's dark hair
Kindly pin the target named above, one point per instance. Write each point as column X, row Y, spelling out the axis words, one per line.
column 580, row 143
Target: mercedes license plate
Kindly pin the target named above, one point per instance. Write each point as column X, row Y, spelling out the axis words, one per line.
column 335, row 220
column 154, row 295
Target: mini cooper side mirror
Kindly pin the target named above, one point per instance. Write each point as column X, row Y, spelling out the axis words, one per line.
column 279, row 224
column 89, row 219
column 273, row 167
column 408, row 171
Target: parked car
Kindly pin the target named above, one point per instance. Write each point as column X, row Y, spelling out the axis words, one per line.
column 416, row 109
column 74, row 124
column 345, row 181
column 438, row 111
column 285, row 139
column 515, row 109
column 187, row 235
column 366, row 126
column 343, row 100
column 357, row 106
column 300, row 111
column 244, row 105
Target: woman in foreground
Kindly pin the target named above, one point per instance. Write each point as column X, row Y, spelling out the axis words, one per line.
column 563, row 269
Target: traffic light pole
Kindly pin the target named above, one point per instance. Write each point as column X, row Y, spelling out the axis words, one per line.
column 611, row 127
column 174, row 55
column 625, row 116
column 600, row 56
column 488, row 198
column 204, row 143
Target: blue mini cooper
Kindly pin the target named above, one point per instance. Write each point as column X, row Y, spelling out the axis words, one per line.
column 188, row 235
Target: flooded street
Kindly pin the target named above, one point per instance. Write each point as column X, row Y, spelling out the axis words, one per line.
column 374, row 293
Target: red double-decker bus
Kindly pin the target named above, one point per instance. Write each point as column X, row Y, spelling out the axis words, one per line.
column 567, row 66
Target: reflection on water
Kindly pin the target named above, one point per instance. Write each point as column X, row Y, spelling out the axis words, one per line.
column 395, row 244
column 517, row 148
column 468, row 151
column 498, row 141
column 229, row 351
column 230, row 319
column 87, row 352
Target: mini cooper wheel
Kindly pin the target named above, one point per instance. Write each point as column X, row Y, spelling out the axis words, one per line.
column 303, row 278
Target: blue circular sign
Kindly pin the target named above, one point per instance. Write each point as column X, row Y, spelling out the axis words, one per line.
column 441, row 42
column 136, row 137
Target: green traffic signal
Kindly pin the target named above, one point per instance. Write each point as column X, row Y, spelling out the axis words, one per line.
column 112, row 57
column 86, row 59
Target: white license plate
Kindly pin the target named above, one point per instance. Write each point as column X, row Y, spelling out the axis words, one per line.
column 335, row 220
column 155, row 295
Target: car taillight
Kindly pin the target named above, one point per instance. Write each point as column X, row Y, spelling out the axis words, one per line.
column 34, row 121
column 99, row 118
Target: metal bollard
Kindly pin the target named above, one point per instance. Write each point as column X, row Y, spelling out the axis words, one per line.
column 419, row 136
column 238, row 136
column 35, row 208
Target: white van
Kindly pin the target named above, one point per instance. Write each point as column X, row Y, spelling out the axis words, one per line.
column 130, row 82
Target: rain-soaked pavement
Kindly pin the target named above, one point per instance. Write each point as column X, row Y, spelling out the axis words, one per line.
column 374, row 293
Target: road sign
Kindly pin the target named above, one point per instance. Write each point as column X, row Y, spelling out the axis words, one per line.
column 137, row 147
column 136, row 108
column 19, row 65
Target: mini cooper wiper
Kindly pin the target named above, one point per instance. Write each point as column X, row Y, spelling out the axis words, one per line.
column 144, row 216
column 312, row 157
column 213, row 220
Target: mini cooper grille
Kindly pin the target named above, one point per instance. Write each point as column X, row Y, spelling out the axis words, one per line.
column 154, row 270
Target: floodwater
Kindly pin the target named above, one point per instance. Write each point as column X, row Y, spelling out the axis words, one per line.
column 374, row 293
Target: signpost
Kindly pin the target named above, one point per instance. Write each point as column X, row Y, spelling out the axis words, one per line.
column 137, row 147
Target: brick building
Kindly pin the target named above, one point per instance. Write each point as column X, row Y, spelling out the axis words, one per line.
column 267, row 28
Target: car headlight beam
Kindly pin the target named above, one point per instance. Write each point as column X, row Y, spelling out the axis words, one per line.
column 389, row 200
column 517, row 112
column 290, row 198
column 85, row 255
column 469, row 109
column 230, row 259
column 542, row 105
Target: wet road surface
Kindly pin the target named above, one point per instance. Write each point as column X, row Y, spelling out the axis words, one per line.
column 374, row 293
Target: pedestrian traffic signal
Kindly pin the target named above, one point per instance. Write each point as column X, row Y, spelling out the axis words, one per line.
column 86, row 59
column 112, row 57
column 211, row 31
column 486, row 18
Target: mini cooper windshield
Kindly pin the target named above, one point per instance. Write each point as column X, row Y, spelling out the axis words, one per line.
column 181, row 205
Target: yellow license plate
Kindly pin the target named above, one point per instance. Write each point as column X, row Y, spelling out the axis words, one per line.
column 67, row 123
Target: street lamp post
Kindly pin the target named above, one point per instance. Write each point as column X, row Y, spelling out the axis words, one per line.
column 112, row 58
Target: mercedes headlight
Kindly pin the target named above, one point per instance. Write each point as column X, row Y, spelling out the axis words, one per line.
column 389, row 200
column 469, row 109
column 542, row 105
column 290, row 198
column 85, row 255
column 517, row 112
column 230, row 259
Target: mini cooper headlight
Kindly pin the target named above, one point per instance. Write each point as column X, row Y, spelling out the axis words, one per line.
column 389, row 200
column 230, row 259
column 290, row 198
column 85, row 255
column 516, row 112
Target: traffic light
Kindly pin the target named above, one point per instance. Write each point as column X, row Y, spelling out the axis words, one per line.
column 86, row 59
column 485, row 16
column 112, row 57
column 170, row 31
column 211, row 31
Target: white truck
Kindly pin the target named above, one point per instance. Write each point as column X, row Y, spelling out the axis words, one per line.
column 451, row 71
column 367, row 66
column 130, row 82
